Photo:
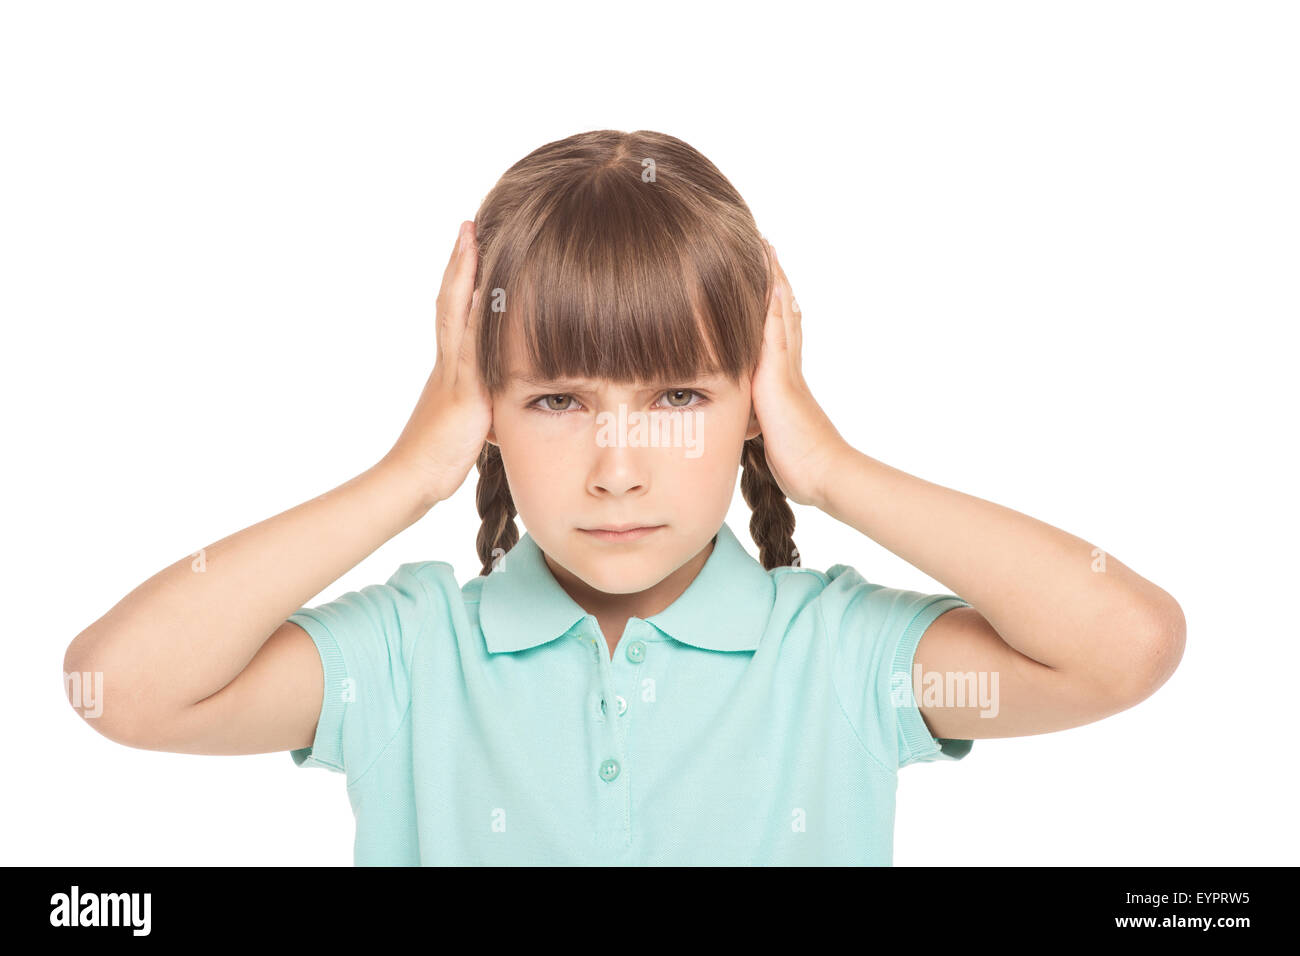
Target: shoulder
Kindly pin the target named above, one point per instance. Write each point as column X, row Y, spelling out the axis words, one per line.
column 795, row 586
column 437, row 576
column 837, row 583
column 418, row 596
column 800, row 593
column 837, row 576
column 855, row 607
column 437, row 598
column 795, row 577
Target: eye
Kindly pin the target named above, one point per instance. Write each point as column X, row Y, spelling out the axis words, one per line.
column 673, row 393
column 677, row 398
column 567, row 400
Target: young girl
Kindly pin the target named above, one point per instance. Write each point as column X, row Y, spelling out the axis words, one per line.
column 625, row 684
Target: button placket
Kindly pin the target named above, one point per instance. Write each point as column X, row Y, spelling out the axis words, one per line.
column 610, row 767
column 634, row 651
column 615, row 705
column 634, row 655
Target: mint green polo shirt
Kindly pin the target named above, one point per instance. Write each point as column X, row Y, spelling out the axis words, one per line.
column 760, row 719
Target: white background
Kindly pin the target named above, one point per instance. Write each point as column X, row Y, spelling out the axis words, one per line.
column 1046, row 254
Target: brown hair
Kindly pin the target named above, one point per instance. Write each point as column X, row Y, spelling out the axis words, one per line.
column 647, row 265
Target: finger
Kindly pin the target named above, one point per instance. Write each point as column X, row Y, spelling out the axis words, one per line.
column 456, row 247
column 458, row 289
column 771, row 268
column 791, row 315
column 793, row 319
column 467, row 370
column 467, row 341
column 442, row 318
column 774, row 323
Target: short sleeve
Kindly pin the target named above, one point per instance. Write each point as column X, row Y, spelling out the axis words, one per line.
column 874, row 632
column 366, row 640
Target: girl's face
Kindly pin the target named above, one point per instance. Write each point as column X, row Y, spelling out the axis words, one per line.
column 583, row 455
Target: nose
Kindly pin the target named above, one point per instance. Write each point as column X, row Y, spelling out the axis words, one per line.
column 618, row 470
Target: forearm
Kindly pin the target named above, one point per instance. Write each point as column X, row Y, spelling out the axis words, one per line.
column 190, row 629
column 1052, row 596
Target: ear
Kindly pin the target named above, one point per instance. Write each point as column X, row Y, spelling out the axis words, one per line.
column 492, row 436
column 752, row 430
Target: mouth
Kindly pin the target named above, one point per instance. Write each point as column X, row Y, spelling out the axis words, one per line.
column 621, row 532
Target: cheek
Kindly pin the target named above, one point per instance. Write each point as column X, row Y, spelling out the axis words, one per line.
column 708, row 469
column 717, row 438
column 538, row 464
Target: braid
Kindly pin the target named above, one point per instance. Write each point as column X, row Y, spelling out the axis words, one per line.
column 495, row 507
column 772, row 524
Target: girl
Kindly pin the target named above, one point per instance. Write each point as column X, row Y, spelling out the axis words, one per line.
column 625, row 684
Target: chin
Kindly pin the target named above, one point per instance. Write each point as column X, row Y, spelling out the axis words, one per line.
column 622, row 574
column 626, row 569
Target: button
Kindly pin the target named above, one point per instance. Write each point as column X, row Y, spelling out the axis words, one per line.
column 609, row 770
column 622, row 705
column 636, row 651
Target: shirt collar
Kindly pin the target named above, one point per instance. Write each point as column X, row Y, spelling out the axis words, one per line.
column 725, row 608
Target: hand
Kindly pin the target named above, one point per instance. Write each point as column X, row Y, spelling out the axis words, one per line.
column 446, row 431
column 800, row 443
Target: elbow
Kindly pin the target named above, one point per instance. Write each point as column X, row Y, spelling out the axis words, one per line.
column 84, row 687
column 1156, row 650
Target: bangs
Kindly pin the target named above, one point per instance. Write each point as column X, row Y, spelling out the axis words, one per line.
column 615, row 283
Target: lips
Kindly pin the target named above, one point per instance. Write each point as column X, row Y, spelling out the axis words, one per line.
column 625, row 532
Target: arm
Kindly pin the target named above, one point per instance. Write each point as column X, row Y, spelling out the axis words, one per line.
column 1069, row 632
column 1072, row 634
column 171, row 651
column 200, row 658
